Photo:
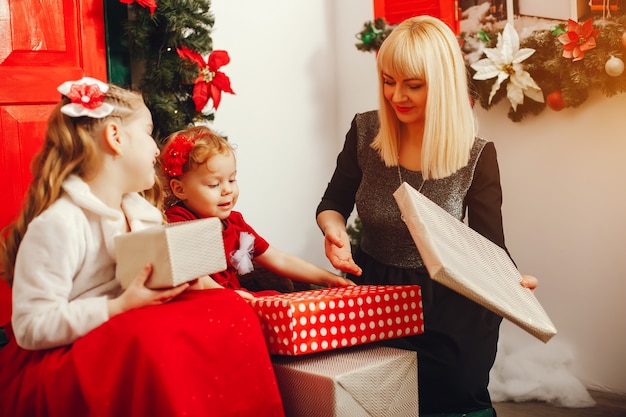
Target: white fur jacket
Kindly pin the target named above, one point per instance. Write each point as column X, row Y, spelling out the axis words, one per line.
column 65, row 266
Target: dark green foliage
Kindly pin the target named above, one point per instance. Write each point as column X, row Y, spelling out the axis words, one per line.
column 354, row 232
column 167, row 80
column 118, row 59
column 575, row 79
column 372, row 35
column 552, row 72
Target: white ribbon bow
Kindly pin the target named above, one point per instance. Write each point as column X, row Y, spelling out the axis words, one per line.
column 80, row 105
column 241, row 259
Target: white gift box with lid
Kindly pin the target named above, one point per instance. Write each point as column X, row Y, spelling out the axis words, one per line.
column 178, row 252
column 470, row 264
column 363, row 381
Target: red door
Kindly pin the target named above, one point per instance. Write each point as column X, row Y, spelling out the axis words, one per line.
column 395, row 11
column 42, row 44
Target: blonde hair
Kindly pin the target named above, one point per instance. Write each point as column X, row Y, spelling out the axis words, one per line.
column 206, row 144
column 424, row 47
column 68, row 149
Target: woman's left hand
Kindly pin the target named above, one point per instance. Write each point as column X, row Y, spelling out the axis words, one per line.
column 530, row 282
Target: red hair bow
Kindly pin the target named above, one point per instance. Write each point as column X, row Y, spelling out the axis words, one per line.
column 176, row 155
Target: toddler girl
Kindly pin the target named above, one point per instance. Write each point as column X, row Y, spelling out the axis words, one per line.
column 201, row 171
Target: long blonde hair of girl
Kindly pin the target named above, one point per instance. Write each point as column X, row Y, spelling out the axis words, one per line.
column 68, row 149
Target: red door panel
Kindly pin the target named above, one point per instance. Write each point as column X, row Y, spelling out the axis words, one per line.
column 42, row 44
column 29, row 124
column 395, row 11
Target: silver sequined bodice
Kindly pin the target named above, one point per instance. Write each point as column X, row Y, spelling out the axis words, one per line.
column 384, row 235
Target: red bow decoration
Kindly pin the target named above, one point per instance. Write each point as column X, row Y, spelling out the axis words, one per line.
column 151, row 4
column 87, row 95
column 210, row 82
column 176, row 155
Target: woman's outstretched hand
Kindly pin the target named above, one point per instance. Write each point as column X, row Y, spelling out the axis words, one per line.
column 138, row 295
column 530, row 282
column 339, row 253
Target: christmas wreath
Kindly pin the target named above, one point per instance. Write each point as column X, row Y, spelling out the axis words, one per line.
column 554, row 68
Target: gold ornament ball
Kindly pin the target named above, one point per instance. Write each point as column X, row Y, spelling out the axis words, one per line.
column 614, row 67
column 624, row 39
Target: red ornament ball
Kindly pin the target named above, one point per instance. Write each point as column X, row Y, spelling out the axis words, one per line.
column 554, row 100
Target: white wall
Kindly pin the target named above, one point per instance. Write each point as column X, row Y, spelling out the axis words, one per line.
column 291, row 62
column 283, row 115
column 299, row 80
column 564, row 176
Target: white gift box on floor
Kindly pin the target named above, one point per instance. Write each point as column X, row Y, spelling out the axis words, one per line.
column 470, row 264
column 363, row 381
column 178, row 252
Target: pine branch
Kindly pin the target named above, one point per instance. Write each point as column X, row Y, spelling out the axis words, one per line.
column 152, row 41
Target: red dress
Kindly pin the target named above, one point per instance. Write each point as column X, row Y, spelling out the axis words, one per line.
column 202, row 354
column 234, row 225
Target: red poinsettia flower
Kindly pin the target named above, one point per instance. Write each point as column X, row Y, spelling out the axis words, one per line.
column 151, row 4
column 210, row 82
column 578, row 39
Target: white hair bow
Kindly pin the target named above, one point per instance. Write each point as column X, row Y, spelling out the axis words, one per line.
column 241, row 259
column 87, row 98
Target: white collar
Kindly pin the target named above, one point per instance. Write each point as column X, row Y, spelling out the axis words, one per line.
column 136, row 208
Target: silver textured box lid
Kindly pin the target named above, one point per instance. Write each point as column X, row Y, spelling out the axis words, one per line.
column 470, row 264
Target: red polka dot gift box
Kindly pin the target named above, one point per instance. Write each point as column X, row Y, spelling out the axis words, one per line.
column 304, row 322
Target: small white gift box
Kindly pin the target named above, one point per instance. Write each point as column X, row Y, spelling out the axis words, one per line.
column 470, row 264
column 178, row 252
column 363, row 381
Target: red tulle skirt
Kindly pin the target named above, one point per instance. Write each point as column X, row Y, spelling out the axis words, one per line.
column 202, row 354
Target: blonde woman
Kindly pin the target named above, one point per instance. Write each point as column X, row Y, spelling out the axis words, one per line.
column 423, row 134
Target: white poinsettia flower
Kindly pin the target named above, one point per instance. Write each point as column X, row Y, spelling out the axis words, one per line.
column 505, row 62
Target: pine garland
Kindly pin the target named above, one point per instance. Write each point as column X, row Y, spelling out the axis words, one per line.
column 573, row 80
column 373, row 34
column 167, row 79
